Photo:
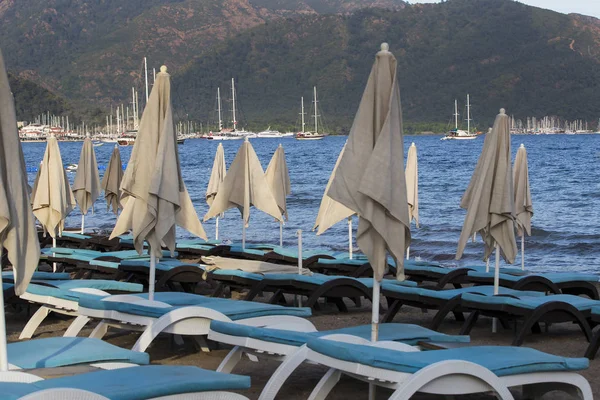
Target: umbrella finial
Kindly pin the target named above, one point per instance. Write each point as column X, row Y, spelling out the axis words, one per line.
column 163, row 68
column 385, row 46
column 116, row 146
column 246, row 139
column 280, row 145
column 522, row 146
column 413, row 144
column 502, row 111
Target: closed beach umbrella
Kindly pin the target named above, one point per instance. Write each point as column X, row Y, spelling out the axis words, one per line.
column 217, row 175
column 52, row 199
column 154, row 197
column 370, row 178
column 331, row 212
column 111, row 182
column 523, row 204
column 17, row 225
column 278, row 179
column 489, row 198
column 86, row 186
column 244, row 186
column 412, row 187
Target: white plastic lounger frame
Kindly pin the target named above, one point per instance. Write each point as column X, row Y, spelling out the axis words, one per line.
column 451, row 378
column 256, row 348
column 184, row 320
column 49, row 304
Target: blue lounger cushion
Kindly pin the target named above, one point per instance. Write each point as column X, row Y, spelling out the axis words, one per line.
column 63, row 351
column 530, row 302
column 165, row 264
column 136, row 383
column 7, row 286
column 37, row 275
column 74, row 235
column 345, row 261
column 320, row 279
column 185, row 242
column 231, row 308
column 255, row 252
column 503, row 270
column 451, row 293
column 406, row 333
column 101, row 284
column 556, row 277
column 293, row 253
column 501, row 360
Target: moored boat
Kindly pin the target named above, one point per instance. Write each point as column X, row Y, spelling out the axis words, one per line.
column 459, row 134
column 310, row 135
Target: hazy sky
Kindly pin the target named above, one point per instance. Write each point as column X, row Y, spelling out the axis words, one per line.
column 585, row 7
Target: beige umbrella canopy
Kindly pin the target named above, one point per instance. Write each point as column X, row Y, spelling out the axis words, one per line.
column 489, row 197
column 35, row 181
column 278, row 179
column 244, row 186
column 17, row 224
column 217, row 175
column 111, row 182
column 52, row 199
column 86, row 186
column 523, row 203
column 370, row 178
column 330, row 211
column 412, row 184
column 154, row 197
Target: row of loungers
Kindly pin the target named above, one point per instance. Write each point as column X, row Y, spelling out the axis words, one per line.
column 392, row 362
column 90, row 299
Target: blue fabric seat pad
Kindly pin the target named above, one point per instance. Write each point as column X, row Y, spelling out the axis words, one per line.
column 406, row 333
column 530, row 302
column 501, row 360
column 63, row 351
column 451, row 293
column 136, row 383
column 556, row 277
column 9, row 275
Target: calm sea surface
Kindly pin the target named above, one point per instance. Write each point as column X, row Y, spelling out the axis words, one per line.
column 564, row 175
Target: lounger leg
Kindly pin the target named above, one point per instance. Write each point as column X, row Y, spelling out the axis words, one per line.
column 326, row 385
column 537, row 391
column 34, row 322
column 100, row 330
column 282, row 373
column 393, row 309
column 593, row 347
column 231, row 360
column 76, row 326
column 469, row 323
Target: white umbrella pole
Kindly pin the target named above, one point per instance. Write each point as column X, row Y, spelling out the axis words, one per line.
column 350, row 237
column 523, row 252
column 152, row 277
column 3, row 350
column 496, row 283
column 54, row 254
column 217, row 229
column 299, row 233
column 487, row 265
column 82, row 222
column 280, row 233
column 375, row 308
column 408, row 252
column 243, row 234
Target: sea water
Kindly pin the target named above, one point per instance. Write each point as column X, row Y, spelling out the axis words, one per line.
column 564, row 173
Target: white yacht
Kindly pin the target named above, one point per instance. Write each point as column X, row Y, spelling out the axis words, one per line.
column 268, row 133
column 459, row 134
column 310, row 135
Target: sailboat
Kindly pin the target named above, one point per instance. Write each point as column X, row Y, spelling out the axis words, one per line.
column 310, row 135
column 221, row 135
column 459, row 134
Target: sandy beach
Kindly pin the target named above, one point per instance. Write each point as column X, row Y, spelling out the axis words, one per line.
column 562, row 339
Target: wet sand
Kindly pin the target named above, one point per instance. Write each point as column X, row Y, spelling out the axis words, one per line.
column 562, row 339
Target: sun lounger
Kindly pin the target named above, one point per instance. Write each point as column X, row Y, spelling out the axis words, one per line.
column 356, row 267
column 9, row 276
column 280, row 341
column 595, row 342
column 445, row 301
column 62, row 297
column 171, row 274
column 290, row 256
column 68, row 351
column 530, row 311
column 558, row 282
column 177, row 313
column 452, row 372
column 135, row 383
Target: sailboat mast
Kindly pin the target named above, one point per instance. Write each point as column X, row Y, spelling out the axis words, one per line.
column 219, row 109
column 146, row 76
column 455, row 114
column 315, row 100
column 468, row 115
column 302, row 103
column 233, row 101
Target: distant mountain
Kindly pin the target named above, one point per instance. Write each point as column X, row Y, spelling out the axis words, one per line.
column 503, row 53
